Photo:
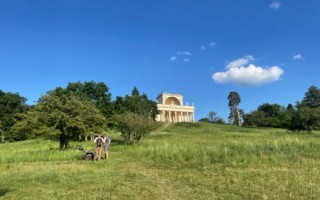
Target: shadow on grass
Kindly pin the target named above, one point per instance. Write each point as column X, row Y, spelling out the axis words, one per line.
column 3, row 192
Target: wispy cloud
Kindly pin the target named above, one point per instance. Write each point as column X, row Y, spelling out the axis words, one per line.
column 184, row 55
column 238, row 74
column 298, row 57
column 173, row 58
column 210, row 45
column 275, row 5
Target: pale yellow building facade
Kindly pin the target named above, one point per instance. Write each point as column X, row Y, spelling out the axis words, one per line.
column 171, row 109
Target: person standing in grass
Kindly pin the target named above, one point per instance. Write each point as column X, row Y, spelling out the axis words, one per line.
column 99, row 141
column 107, row 142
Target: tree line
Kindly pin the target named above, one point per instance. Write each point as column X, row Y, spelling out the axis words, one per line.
column 76, row 112
column 303, row 116
column 81, row 109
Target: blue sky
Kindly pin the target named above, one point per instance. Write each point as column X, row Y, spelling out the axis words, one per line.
column 267, row 51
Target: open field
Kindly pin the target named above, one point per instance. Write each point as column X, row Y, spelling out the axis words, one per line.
column 182, row 161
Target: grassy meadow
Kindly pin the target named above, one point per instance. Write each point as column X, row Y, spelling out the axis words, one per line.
column 180, row 161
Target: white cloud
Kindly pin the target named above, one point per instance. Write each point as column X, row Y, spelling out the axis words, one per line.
column 173, row 58
column 252, row 75
column 298, row 57
column 203, row 47
column 212, row 44
column 275, row 5
column 184, row 53
column 240, row 62
column 186, row 59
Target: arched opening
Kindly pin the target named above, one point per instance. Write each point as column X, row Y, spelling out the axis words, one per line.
column 172, row 101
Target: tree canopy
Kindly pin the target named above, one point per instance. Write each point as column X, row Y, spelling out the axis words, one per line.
column 312, row 98
column 62, row 115
column 10, row 105
column 98, row 93
column 136, row 103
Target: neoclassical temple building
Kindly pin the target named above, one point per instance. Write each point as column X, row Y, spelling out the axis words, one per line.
column 171, row 109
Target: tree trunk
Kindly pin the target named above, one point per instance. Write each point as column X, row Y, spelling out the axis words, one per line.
column 238, row 116
column 64, row 142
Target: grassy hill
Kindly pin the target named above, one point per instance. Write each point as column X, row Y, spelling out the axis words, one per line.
column 181, row 161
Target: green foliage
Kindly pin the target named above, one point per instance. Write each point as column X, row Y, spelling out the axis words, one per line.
column 136, row 103
column 134, row 127
column 311, row 98
column 269, row 115
column 306, row 118
column 11, row 104
column 96, row 92
column 60, row 115
column 213, row 118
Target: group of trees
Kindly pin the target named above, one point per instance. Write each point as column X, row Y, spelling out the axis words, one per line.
column 304, row 115
column 77, row 111
column 82, row 109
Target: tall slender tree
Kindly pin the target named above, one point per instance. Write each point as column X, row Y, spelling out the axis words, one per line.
column 234, row 101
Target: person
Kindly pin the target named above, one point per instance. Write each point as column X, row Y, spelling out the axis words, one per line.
column 99, row 141
column 107, row 142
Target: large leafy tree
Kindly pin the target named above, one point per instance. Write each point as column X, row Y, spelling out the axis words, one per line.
column 96, row 92
column 234, row 101
column 62, row 115
column 10, row 105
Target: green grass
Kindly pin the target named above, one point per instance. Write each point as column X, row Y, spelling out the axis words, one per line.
column 181, row 161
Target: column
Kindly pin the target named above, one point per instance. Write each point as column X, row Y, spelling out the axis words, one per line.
column 175, row 116
column 193, row 117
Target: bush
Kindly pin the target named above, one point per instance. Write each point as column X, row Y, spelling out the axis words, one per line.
column 134, row 127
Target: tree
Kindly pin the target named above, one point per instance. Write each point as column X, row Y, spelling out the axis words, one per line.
column 269, row 115
column 96, row 92
column 213, row 118
column 306, row 118
column 234, row 101
column 10, row 105
column 60, row 115
column 312, row 98
column 134, row 127
column 136, row 103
